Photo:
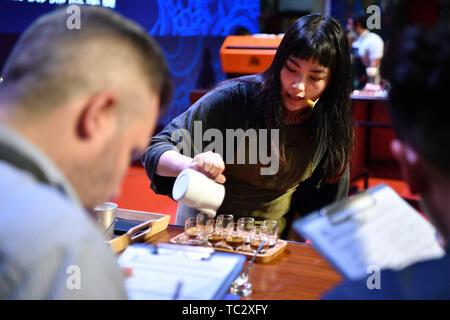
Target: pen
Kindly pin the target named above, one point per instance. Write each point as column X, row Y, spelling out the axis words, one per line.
column 177, row 290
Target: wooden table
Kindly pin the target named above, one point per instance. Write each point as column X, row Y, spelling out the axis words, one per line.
column 298, row 273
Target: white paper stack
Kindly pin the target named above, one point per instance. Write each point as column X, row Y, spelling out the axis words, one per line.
column 179, row 272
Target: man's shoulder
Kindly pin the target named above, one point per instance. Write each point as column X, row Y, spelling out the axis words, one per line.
column 21, row 189
column 44, row 234
column 36, row 213
column 229, row 101
column 237, row 87
column 374, row 37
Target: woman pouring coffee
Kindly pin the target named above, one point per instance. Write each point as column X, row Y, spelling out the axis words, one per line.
column 293, row 122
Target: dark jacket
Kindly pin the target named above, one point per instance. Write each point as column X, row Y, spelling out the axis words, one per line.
column 424, row 280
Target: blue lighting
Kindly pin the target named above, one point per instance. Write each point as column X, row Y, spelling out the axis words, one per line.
column 190, row 33
column 205, row 17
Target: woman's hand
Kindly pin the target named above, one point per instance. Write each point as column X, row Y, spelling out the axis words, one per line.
column 210, row 164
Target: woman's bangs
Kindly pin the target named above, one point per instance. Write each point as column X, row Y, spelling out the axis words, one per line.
column 315, row 48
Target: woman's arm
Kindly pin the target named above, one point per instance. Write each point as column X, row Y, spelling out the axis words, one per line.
column 180, row 144
column 171, row 163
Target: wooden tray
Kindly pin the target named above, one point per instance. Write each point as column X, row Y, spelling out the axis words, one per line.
column 269, row 255
column 152, row 223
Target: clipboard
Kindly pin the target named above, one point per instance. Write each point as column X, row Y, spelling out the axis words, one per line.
column 170, row 271
column 375, row 228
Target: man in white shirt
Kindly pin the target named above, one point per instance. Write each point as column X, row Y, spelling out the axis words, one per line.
column 369, row 45
column 75, row 106
column 367, row 48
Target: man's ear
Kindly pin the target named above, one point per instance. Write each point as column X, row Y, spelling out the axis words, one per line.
column 411, row 166
column 98, row 115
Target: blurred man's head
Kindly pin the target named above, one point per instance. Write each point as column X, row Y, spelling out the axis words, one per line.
column 357, row 23
column 88, row 97
column 417, row 65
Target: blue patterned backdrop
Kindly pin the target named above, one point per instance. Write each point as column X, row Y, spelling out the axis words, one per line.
column 190, row 33
column 194, row 62
column 197, row 29
column 205, row 17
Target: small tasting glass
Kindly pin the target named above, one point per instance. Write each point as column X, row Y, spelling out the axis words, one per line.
column 271, row 229
column 246, row 228
column 195, row 235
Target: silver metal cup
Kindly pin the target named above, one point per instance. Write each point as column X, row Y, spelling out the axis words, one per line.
column 105, row 214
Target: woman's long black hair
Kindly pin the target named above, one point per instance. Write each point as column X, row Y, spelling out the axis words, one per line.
column 322, row 39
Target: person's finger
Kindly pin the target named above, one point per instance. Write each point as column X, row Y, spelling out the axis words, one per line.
column 198, row 161
column 210, row 164
column 220, row 179
column 207, row 164
column 213, row 163
column 218, row 162
column 214, row 168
